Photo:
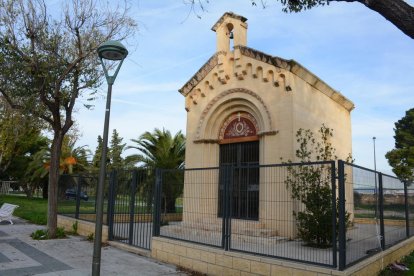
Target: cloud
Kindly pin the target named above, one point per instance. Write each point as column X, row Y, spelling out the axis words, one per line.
column 133, row 87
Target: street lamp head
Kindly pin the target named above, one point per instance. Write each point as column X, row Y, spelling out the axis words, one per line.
column 112, row 50
column 115, row 52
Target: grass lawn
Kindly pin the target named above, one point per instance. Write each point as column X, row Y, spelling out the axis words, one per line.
column 33, row 210
column 408, row 261
column 85, row 207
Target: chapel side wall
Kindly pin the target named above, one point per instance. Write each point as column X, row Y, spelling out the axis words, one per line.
column 312, row 109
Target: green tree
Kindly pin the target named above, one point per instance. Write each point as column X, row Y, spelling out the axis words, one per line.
column 48, row 61
column 18, row 170
column 398, row 12
column 311, row 185
column 115, row 150
column 18, row 134
column 160, row 149
column 401, row 159
column 97, row 155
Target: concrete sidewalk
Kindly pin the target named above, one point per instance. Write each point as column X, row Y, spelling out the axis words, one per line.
column 21, row 255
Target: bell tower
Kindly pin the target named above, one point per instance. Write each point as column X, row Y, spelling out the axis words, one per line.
column 230, row 26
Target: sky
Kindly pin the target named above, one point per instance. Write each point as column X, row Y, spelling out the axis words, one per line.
column 353, row 49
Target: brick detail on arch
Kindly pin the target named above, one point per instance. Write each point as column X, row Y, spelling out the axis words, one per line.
column 212, row 103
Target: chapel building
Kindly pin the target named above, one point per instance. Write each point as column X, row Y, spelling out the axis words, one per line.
column 245, row 107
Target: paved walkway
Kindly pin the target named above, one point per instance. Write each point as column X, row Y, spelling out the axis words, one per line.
column 21, row 255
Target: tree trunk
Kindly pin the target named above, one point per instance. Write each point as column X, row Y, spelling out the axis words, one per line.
column 53, row 183
column 398, row 12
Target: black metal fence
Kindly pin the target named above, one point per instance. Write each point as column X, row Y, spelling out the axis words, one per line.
column 77, row 196
column 380, row 210
column 128, row 203
column 332, row 214
column 249, row 209
column 254, row 209
column 130, row 209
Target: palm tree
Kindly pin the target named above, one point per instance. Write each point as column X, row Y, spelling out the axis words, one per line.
column 73, row 159
column 160, row 149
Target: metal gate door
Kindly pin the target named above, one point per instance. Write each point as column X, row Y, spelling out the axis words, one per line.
column 130, row 207
column 243, row 159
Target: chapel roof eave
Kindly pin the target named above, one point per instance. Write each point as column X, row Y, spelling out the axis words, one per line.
column 199, row 75
column 289, row 65
column 226, row 15
column 303, row 73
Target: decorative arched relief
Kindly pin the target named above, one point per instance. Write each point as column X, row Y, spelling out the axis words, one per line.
column 239, row 125
column 269, row 76
column 258, row 73
column 207, row 86
column 262, row 111
column 248, row 69
column 281, row 81
column 194, row 97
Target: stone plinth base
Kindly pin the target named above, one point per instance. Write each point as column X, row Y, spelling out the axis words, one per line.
column 85, row 228
column 212, row 261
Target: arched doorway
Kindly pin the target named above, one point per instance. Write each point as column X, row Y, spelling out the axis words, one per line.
column 239, row 152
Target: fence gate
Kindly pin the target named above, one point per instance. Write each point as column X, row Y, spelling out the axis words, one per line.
column 130, row 207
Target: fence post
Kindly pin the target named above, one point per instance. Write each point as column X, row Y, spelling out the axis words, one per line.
column 230, row 205
column 78, row 193
column 226, row 181
column 334, row 208
column 111, row 204
column 132, row 205
column 381, row 210
column 222, row 181
column 156, row 224
column 407, row 218
column 342, row 223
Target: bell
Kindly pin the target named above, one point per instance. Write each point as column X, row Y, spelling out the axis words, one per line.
column 231, row 35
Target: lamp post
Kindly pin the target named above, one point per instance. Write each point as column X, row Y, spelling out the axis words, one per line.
column 114, row 51
column 375, row 158
column 375, row 172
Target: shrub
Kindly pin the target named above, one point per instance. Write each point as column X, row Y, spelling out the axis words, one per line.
column 90, row 237
column 60, row 233
column 311, row 185
column 42, row 234
column 75, row 228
